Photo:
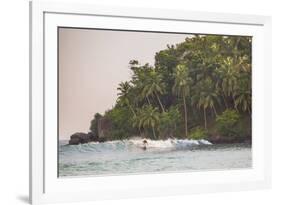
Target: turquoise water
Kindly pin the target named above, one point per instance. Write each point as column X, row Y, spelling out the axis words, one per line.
column 129, row 157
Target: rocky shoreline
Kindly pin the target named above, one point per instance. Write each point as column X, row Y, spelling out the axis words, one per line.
column 83, row 138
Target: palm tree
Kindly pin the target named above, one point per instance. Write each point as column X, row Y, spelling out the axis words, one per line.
column 169, row 121
column 148, row 117
column 153, row 86
column 139, row 80
column 205, row 97
column 242, row 94
column 124, row 95
column 182, row 88
column 229, row 76
column 243, row 100
column 228, row 79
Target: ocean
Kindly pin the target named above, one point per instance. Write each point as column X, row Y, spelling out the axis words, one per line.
column 129, row 157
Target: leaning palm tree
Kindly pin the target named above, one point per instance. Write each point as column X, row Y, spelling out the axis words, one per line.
column 148, row 117
column 182, row 88
column 154, row 86
column 124, row 95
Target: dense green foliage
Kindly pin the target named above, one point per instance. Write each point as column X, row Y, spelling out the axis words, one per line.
column 198, row 133
column 226, row 123
column 195, row 89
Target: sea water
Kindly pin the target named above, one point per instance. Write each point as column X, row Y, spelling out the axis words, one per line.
column 130, row 157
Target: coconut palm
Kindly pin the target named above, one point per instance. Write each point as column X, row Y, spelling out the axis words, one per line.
column 124, row 95
column 205, row 97
column 227, row 82
column 148, row 117
column 139, row 80
column 182, row 88
column 153, row 86
column 242, row 94
column 229, row 76
column 243, row 100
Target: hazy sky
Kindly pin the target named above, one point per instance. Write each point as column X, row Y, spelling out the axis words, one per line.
column 91, row 65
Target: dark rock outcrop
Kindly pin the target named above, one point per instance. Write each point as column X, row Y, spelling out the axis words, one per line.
column 79, row 138
column 93, row 137
column 82, row 138
column 104, row 125
column 74, row 141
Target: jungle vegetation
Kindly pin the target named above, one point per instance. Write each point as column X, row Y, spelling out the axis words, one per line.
column 196, row 89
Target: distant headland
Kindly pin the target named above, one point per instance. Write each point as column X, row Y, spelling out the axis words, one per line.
column 197, row 89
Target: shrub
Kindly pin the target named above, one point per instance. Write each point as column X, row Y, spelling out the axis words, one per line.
column 226, row 123
column 198, row 133
column 168, row 122
column 120, row 124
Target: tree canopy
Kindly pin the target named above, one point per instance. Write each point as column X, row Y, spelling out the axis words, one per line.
column 190, row 86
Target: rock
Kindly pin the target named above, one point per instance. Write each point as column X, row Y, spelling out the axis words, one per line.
column 75, row 136
column 82, row 138
column 104, row 125
column 102, row 139
column 74, row 141
column 93, row 137
column 79, row 138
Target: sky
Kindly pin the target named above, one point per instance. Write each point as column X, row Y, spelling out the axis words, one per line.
column 91, row 65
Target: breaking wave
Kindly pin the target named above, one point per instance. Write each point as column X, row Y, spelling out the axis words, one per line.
column 169, row 143
column 137, row 143
column 129, row 156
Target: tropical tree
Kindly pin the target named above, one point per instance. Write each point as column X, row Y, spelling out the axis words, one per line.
column 243, row 100
column 139, row 81
column 182, row 88
column 228, row 76
column 154, row 86
column 124, row 95
column 185, row 88
column 243, row 94
column 148, row 117
column 205, row 96
column 169, row 121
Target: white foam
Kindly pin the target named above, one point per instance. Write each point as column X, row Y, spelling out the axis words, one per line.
column 138, row 143
column 205, row 142
column 169, row 143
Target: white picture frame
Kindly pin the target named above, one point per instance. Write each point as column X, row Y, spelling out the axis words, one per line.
column 46, row 187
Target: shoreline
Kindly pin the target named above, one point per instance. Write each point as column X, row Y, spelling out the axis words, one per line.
column 82, row 138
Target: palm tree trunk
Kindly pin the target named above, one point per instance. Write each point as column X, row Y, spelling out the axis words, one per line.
column 134, row 113
column 225, row 102
column 215, row 111
column 148, row 100
column 161, row 105
column 185, row 116
column 234, row 103
column 235, row 50
column 131, row 109
column 153, row 133
column 205, row 118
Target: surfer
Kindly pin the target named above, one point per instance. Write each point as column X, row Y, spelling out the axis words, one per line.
column 172, row 139
column 144, row 144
